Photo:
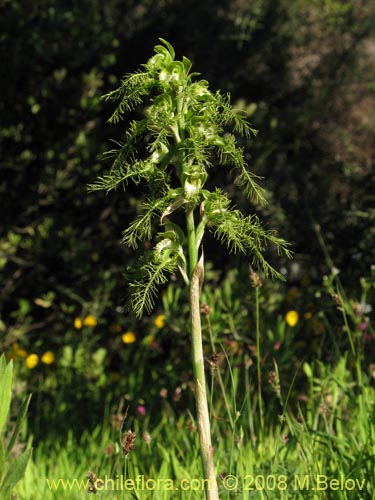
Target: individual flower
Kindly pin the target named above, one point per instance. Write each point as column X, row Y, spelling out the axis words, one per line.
column 128, row 338
column 177, row 394
column 18, row 352
column 141, row 410
column 159, row 321
column 94, row 482
column 128, row 441
column 48, row 358
column 109, row 450
column 307, row 315
column 277, row 345
column 78, row 323
column 147, row 437
column 163, row 392
column 366, row 308
column 31, row 361
column 363, row 326
column 90, row 320
column 361, row 308
column 291, row 318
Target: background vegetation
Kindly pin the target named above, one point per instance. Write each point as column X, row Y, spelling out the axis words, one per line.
column 304, row 73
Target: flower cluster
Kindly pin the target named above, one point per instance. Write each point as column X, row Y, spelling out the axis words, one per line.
column 31, row 359
column 89, row 320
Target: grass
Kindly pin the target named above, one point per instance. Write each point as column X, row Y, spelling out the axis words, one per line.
column 320, row 448
column 310, row 436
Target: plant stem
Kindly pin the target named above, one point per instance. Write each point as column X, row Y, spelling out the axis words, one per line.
column 219, row 377
column 192, row 243
column 259, row 373
column 203, row 420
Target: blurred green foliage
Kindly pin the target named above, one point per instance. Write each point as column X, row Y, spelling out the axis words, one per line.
column 303, row 71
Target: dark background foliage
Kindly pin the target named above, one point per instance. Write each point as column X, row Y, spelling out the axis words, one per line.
column 304, row 71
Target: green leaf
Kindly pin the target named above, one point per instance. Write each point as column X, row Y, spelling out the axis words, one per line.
column 241, row 233
column 3, row 365
column 153, row 272
column 130, row 93
column 165, row 455
column 169, row 47
column 180, row 472
column 252, row 190
column 121, row 174
column 187, row 64
column 2, row 460
column 20, row 417
column 16, row 471
column 6, row 375
column 141, row 228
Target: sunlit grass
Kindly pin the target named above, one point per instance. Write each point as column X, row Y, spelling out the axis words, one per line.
column 313, row 436
column 303, row 448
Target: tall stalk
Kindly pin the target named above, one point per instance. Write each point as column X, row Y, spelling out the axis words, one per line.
column 204, row 428
column 187, row 130
column 259, row 371
column 201, row 404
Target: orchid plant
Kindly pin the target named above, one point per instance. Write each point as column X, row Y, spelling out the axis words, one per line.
column 186, row 131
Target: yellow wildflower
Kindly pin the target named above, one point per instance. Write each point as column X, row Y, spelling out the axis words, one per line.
column 18, row 352
column 90, row 320
column 308, row 315
column 77, row 323
column 291, row 318
column 128, row 338
column 31, row 361
column 159, row 321
column 48, row 358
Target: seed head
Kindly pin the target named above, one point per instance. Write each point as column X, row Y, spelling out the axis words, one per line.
column 128, row 441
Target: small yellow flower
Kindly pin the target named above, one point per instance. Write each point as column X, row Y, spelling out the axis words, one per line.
column 90, row 320
column 31, row 361
column 128, row 338
column 77, row 323
column 48, row 358
column 19, row 353
column 308, row 315
column 291, row 318
column 159, row 321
